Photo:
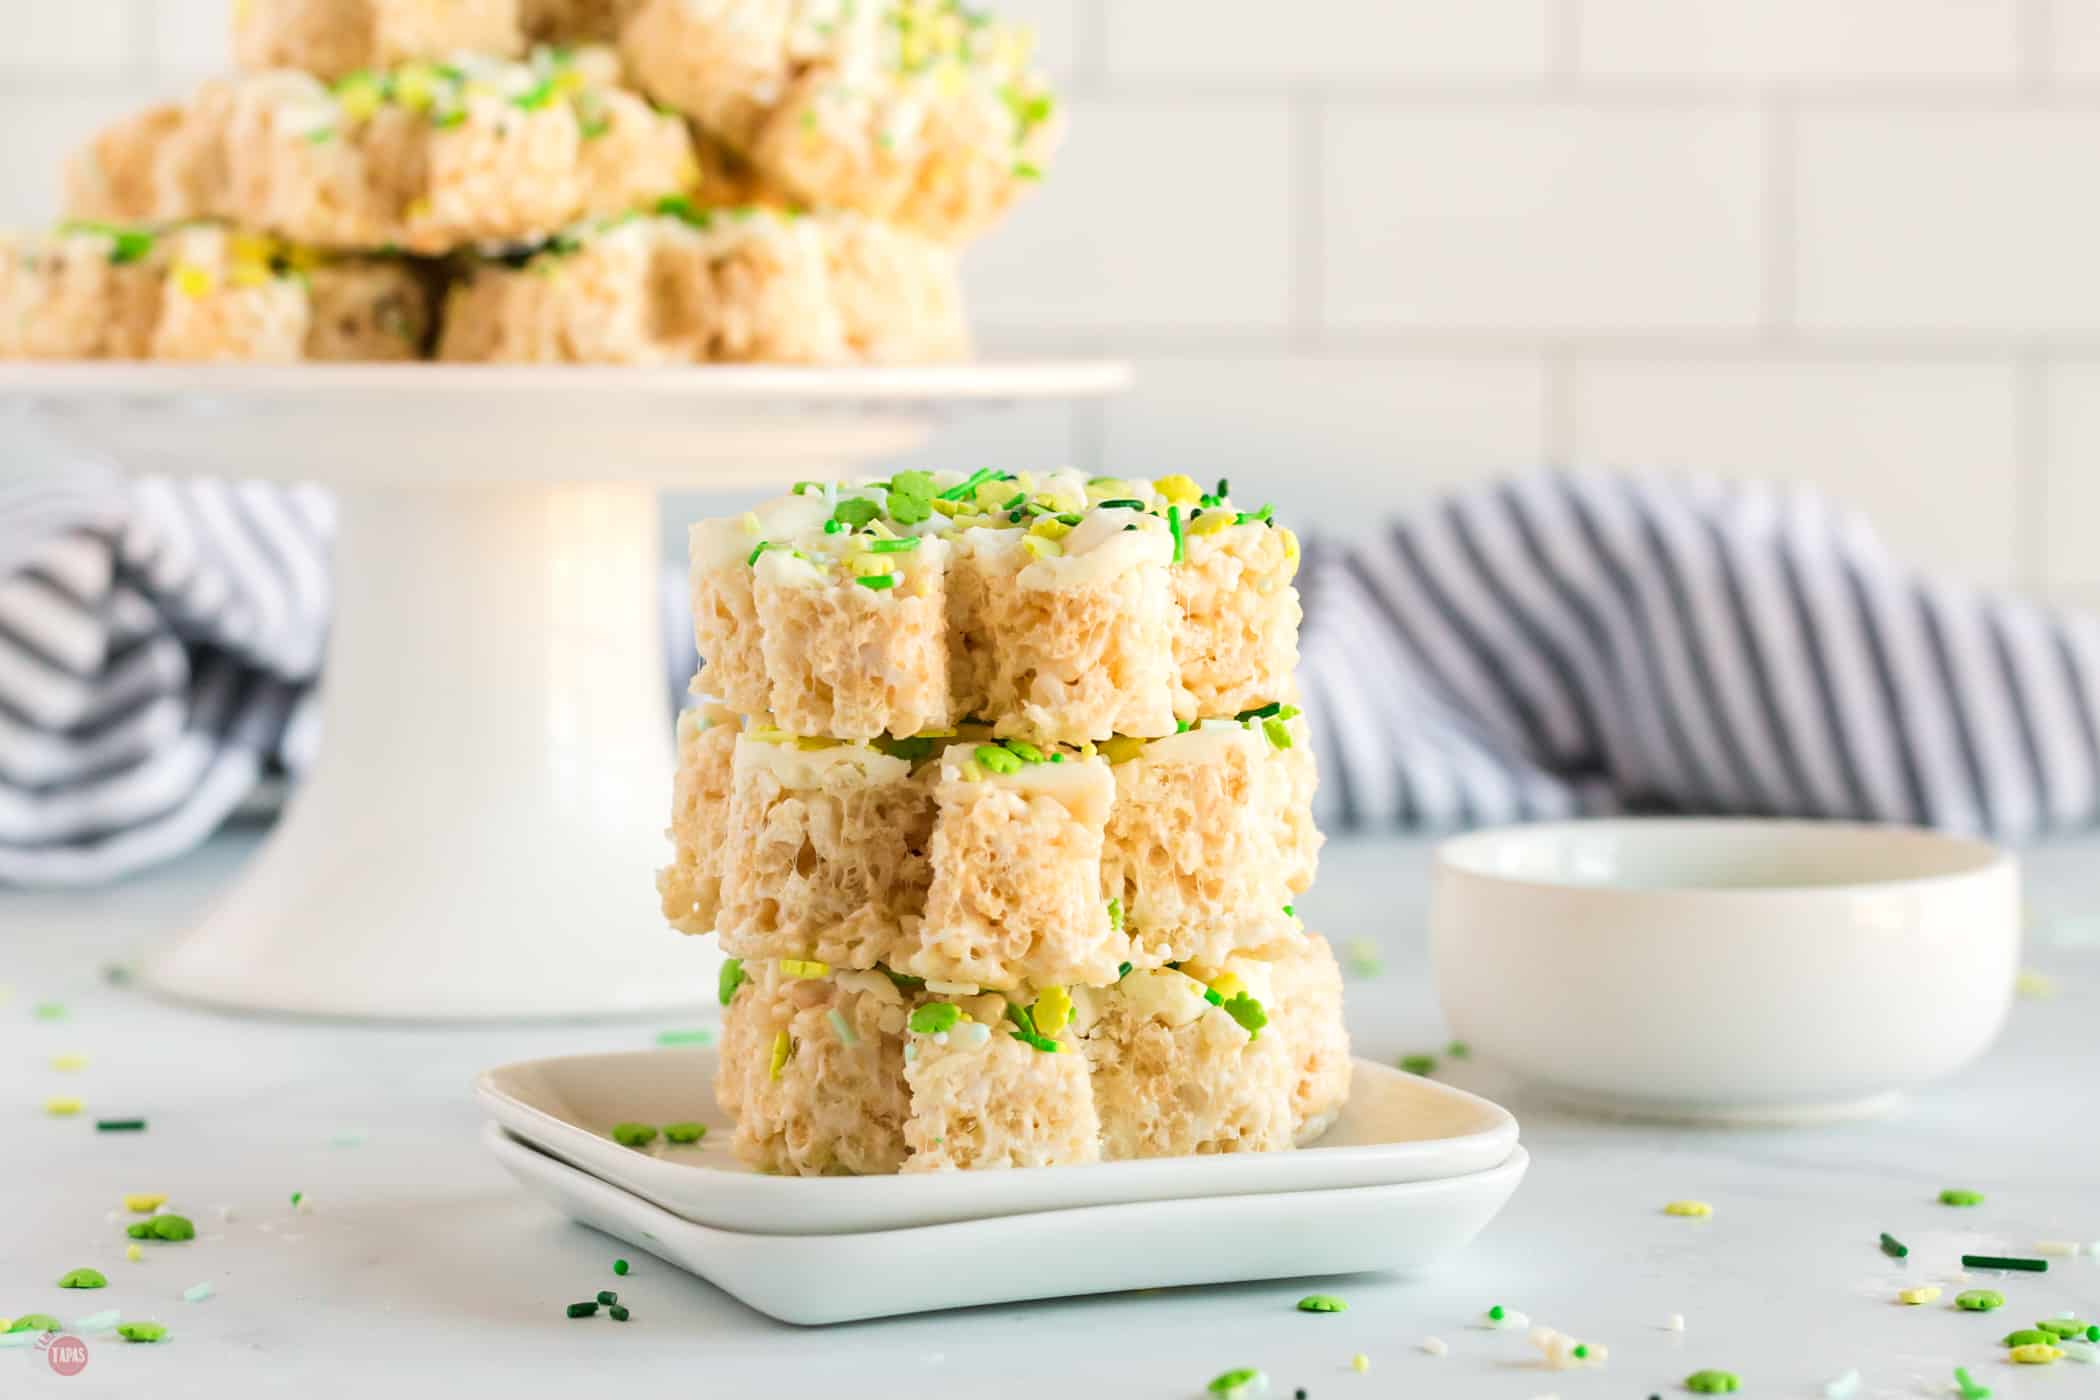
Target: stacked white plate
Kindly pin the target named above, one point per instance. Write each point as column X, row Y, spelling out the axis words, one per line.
column 1408, row 1175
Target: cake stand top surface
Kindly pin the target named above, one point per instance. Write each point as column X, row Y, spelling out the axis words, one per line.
column 438, row 425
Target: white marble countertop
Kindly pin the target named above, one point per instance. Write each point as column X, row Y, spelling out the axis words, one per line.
column 421, row 1266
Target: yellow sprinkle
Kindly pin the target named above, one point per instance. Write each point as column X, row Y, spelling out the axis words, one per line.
column 781, row 1046
column 1698, row 1210
column 416, row 210
column 1122, row 748
column 2038, row 986
column 67, row 1064
column 415, row 87
column 1053, row 1009
column 1049, row 527
column 249, row 274
column 1290, row 547
column 804, row 968
column 2035, row 1354
column 145, row 1202
column 1208, row 523
column 1178, row 489
column 1359, row 1363
column 134, row 1253
column 1227, row 984
column 1040, row 548
column 61, row 1108
column 1916, row 1296
column 360, row 102
column 569, row 82
column 812, row 743
column 192, row 280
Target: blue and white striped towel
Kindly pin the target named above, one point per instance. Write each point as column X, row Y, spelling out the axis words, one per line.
column 1550, row 646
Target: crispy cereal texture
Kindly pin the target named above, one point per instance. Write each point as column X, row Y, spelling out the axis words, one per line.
column 915, row 113
column 825, row 854
column 1016, row 891
column 201, row 293
column 1238, row 642
column 1167, row 1087
column 751, row 285
column 691, row 885
column 726, row 635
column 1305, row 1013
column 837, row 1102
column 330, row 38
column 279, row 151
column 998, row 1103
column 852, row 661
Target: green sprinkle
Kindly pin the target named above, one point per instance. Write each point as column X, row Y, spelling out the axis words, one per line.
column 120, row 1125
column 683, row 209
column 445, row 121
column 1240, row 1381
column 855, row 511
column 997, row 759
column 620, row 1267
column 1893, row 1247
column 141, row 1331
column 968, row 484
column 878, row 582
column 911, row 750
column 1026, row 752
column 320, row 136
column 1279, row 733
column 633, row 1134
column 618, row 1313
column 935, row 1017
column 1497, row 1313
column 1979, row 1300
column 1257, row 517
column 583, row 1309
column 35, row 1322
column 1213, row 996
column 1115, row 922
column 1995, row 1261
column 297, row 1196
column 607, row 1297
column 1419, row 1064
column 2029, row 1337
column 1027, row 170
column 535, row 97
column 911, row 497
column 1260, row 711
column 1713, row 1382
column 1122, row 503
column 1459, row 1050
column 903, row 546
column 1322, row 1303
column 172, row 1228
column 691, row 1037
column 1248, row 1012
column 2061, row 1326
column 83, row 1278
column 1969, row 1389
column 1174, row 529
column 50, row 1011
column 1954, row 1197
column 760, row 548
column 1290, row 911
column 729, row 979
column 1028, row 1035
column 1122, row 971
column 684, row 1132
column 1015, row 501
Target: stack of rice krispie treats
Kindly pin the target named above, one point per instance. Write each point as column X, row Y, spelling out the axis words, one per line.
column 998, row 803
column 580, row 181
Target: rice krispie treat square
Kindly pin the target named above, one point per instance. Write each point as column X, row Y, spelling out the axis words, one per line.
column 1237, row 645
column 330, row 38
column 691, row 885
column 1178, row 1068
column 1305, row 1013
column 981, row 1098
column 1193, row 846
column 812, row 1068
column 825, row 856
column 1016, row 889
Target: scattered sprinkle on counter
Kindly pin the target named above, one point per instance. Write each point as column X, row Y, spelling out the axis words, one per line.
column 1918, row 1297
column 1893, row 1247
column 2061, row 1326
column 62, row 1107
column 2029, row 1337
column 1979, row 1300
column 618, row 1313
column 69, row 1064
column 1503, row 1319
column 1843, row 1387
column 1321, row 1303
column 1999, row 1261
column 685, row 1132
column 34, row 1322
column 2036, row 1354
column 620, row 1267
column 1436, row 1346
column 2057, row 1248
column 1359, row 1363
column 349, row 1139
column 633, row 1134
column 1713, row 1382
column 145, row 1202
column 1239, row 1382
column 692, row 1037
column 173, row 1229
column 197, row 1292
column 1693, row 1210
column 103, row 1321
column 583, row 1309
column 2083, row 1352
column 2037, row 986
column 142, row 1331
column 51, row 1011
column 83, row 1278
column 1968, row 1388
column 120, row 1125
column 1676, row 1322
column 1955, row 1196
column 134, row 1253
column 1424, row 1065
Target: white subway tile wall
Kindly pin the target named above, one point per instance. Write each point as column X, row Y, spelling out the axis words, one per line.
column 1365, row 250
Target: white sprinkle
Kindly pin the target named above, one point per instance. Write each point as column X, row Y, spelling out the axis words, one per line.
column 2062, row 1249
column 911, row 1053
column 1675, row 1324
column 17, row 1339
column 940, row 1037
column 1955, row 1276
column 1842, row 1387
column 98, row 1322
column 2084, row 1352
column 971, row 1034
column 1435, row 1346
column 197, row 1292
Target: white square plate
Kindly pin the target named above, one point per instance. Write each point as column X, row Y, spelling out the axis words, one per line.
column 811, row 1279
column 1396, row 1128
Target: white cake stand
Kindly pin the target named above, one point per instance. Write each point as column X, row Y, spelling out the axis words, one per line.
column 478, row 836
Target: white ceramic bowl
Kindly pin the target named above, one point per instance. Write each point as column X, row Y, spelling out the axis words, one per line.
column 1725, row 970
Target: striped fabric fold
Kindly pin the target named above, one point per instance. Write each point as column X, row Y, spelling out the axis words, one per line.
column 1551, row 646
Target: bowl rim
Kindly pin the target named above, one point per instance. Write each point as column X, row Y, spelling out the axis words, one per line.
column 1970, row 858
